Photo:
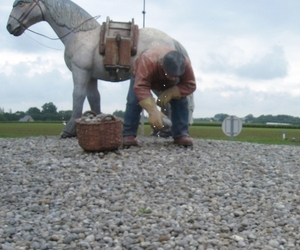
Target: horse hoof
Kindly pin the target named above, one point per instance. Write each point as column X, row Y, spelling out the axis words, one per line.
column 65, row 134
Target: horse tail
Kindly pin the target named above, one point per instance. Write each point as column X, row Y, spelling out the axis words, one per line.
column 179, row 47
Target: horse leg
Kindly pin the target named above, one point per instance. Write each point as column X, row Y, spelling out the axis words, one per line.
column 80, row 79
column 191, row 105
column 93, row 96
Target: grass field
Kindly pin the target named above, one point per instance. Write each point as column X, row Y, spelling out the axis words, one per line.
column 20, row 129
column 248, row 134
column 255, row 135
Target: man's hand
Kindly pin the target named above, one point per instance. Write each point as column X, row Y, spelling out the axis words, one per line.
column 155, row 116
column 155, row 120
column 165, row 97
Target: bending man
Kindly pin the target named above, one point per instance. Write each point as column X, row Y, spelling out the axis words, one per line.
column 170, row 72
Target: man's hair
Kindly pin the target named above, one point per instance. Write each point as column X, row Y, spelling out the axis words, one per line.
column 174, row 63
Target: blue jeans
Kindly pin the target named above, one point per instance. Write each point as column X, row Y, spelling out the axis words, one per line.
column 179, row 114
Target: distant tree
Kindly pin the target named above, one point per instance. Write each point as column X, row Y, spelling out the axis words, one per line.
column 265, row 119
column 65, row 115
column 277, row 119
column 220, row 117
column 49, row 109
column 285, row 118
column 3, row 118
column 13, row 116
column 33, row 111
column 17, row 113
column 119, row 113
column 249, row 118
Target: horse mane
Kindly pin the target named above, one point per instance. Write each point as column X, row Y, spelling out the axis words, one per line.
column 68, row 14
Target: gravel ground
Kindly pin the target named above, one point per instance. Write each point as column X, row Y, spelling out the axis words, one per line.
column 217, row 195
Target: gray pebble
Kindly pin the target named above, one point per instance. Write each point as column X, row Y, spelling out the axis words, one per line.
column 217, row 195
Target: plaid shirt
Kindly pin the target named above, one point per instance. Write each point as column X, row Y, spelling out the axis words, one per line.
column 150, row 75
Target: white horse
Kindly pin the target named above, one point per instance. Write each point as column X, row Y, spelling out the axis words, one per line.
column 80, row 34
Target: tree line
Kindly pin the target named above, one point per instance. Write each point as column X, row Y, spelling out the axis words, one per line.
column 274, row 119
column 262, row 119
column 48, row 112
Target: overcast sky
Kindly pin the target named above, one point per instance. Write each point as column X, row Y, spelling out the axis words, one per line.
column 245, row 55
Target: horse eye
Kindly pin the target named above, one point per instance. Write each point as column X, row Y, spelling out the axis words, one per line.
column 21, row 3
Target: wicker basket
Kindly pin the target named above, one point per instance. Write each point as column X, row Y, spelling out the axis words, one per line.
column 102, row 135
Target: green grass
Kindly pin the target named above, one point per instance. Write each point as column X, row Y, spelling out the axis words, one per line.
column 20, row 129
column 145, row 211
column 248, row 134
column 265, row 135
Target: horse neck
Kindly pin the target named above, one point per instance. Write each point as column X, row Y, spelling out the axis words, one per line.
column 63, row 33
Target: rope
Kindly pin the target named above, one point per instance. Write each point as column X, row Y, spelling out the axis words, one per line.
column 42, row 43
column 59, row 38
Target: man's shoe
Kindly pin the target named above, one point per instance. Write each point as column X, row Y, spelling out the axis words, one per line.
column 129, row 141
column 183, row 141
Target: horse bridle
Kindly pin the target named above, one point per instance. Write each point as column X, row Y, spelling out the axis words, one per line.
column 24, row 15
column 32, row 5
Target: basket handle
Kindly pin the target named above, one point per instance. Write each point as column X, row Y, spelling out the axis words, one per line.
column 103, row 119
column 89, row 112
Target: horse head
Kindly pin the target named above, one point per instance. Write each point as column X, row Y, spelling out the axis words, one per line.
column 24, row 14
